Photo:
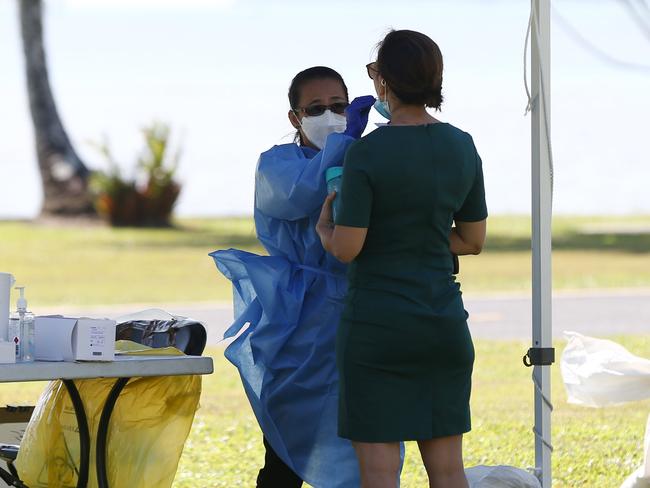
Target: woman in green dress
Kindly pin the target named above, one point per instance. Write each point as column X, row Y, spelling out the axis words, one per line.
column 411, row 195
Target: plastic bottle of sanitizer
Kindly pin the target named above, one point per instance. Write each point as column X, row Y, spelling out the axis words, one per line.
column 21, row 329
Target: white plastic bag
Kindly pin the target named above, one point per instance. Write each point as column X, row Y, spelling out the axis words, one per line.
column 598, row 372
column 637, row 480
column 500, row 477
column 646, row 451
column 641, row 477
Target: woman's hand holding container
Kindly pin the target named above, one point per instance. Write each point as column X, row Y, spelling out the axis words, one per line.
column 333, row 177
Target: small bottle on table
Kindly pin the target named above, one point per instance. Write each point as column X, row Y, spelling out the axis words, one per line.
column 21, row 329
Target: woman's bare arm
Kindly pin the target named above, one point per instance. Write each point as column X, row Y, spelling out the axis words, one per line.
column 342, row 242
column 467, row 237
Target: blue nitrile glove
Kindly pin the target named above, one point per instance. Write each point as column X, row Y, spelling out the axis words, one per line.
column 357, row 115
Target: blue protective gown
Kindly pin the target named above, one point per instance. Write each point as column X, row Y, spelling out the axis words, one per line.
column 292, row 301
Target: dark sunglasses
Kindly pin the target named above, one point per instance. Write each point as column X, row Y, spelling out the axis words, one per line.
column 316, row 110
column 372, row 69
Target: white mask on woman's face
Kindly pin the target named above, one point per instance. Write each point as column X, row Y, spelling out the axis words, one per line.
column 319, row 127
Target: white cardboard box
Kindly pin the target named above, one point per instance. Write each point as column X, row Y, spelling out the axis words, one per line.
column 58, row 338
column 7, row 352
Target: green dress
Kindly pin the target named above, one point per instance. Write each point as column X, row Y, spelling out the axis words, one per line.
column 404, row 351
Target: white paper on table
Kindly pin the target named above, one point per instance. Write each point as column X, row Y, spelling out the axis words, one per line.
column 53, row 338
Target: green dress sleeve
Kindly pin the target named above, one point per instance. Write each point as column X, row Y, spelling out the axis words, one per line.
column 356, row 191
column 474, row 208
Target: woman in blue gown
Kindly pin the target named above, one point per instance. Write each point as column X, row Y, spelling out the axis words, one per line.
column 291, row 300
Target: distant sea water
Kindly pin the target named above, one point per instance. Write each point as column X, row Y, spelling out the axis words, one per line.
column 583, row 186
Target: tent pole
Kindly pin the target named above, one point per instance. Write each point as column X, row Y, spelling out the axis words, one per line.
column 541, row 232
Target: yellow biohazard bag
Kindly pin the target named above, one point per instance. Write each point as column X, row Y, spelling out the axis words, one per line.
column 148, row 428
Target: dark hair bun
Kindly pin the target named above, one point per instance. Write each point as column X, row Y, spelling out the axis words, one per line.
column 411, row 64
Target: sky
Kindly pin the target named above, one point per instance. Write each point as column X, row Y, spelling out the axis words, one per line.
column 218, row 72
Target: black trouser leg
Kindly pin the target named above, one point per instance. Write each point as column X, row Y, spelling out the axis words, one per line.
column 276, row 474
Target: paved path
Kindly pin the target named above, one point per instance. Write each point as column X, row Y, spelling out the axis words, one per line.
column 596, row 314
column 496, row 317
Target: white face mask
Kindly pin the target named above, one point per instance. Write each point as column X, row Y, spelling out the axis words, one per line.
column 318, row 128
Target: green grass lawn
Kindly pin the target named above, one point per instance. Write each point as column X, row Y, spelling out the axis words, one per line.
column 88, row 265
column 594, row 448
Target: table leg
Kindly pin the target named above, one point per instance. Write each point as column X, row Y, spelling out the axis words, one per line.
column 84, row 435
column 102, row 431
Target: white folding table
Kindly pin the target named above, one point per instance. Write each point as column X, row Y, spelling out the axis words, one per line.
column 123, row 368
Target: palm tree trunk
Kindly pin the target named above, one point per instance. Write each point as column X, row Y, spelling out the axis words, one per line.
column 63, row 174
